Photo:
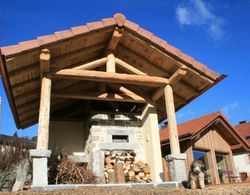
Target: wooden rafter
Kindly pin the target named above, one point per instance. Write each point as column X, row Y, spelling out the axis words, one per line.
column 97, row 96
column 182, row 71
column 125, row 91
column 110, row 77
column 91, row 65
column 127, row 67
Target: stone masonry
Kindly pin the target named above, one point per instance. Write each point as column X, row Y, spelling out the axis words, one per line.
column 102, row 130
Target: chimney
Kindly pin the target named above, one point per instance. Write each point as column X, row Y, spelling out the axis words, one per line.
column 242, row 122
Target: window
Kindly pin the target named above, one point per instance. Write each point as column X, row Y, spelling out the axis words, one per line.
column 221, row 160
column 203, row 156
column 120, row 138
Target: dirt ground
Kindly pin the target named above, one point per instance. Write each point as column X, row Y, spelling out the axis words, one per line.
column 212, row 190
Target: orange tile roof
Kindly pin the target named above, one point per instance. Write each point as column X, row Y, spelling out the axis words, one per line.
column 120, row 21
column 244, row 130
column 192, row 126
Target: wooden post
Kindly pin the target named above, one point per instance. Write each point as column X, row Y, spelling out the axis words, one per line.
column 119, row 174
column 110, row 63
column 44, row 112
column 172, row 126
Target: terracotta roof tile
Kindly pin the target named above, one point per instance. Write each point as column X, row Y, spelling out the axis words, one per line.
column 9, row 50
column 190, row 127
column 244, row 130
column 77, row 30
column 109, row 21
column 43, row 40
column 121, row 21
column 148, row 35
column 27, row 45
column 63, row 34
column 95, row 25
column 131, row 25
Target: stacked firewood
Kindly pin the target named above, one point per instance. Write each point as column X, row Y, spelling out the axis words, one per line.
column 134, row 172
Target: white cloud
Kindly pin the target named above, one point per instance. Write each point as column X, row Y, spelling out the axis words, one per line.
column 197, row 13
column 230, row 108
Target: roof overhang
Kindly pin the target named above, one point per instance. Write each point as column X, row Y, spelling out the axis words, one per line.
column 79, row 45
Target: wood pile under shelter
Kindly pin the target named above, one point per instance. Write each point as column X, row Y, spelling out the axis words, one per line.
column 121, row 167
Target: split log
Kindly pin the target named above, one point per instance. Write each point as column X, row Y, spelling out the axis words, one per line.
column 119, row 174
column 140, row 164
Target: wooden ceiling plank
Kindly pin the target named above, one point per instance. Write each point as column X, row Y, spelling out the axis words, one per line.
column 150, row 67
column 111, row 77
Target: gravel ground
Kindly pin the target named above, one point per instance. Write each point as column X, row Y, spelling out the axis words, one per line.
column 215, row 190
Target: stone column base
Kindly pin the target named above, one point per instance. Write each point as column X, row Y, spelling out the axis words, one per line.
column 40, row 167
column 177, row 166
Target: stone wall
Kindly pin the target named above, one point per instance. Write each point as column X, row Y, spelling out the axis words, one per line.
column 102, row 130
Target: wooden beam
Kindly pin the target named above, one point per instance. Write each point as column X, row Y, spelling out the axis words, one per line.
column 91, row 65
column 172, row 125
column 44, row 61
column 93, row 112
column 127, row 67
column 110, row 65
column 237, row 146
column 139, row 91
column 110, row 77
column 44, row 113
column 125, row 91
column 114, row 41
column 182, row 71
column 97, row 96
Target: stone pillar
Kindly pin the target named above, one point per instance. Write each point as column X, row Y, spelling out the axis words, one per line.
column 177, row 166
column 40, row 169
column 176, row 158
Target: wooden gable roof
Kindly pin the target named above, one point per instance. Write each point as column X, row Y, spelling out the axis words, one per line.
column 82, row 44
column 189, row 130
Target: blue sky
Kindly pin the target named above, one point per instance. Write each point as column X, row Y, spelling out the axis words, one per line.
column 217, row 33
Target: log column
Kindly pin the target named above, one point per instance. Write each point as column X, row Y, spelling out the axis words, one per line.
column 176, row 159
column 41, row 154
column 172, row 125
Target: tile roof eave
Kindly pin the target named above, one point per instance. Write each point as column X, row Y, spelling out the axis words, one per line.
column 117, row 20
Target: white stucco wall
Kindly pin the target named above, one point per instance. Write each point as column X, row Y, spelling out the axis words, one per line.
column 242, row 163
column 150, row 130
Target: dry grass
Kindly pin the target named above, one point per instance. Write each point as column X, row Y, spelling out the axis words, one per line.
column 214, row 190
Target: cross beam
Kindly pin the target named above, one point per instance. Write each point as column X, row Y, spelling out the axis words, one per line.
column 110, row 77
column 116, row 97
